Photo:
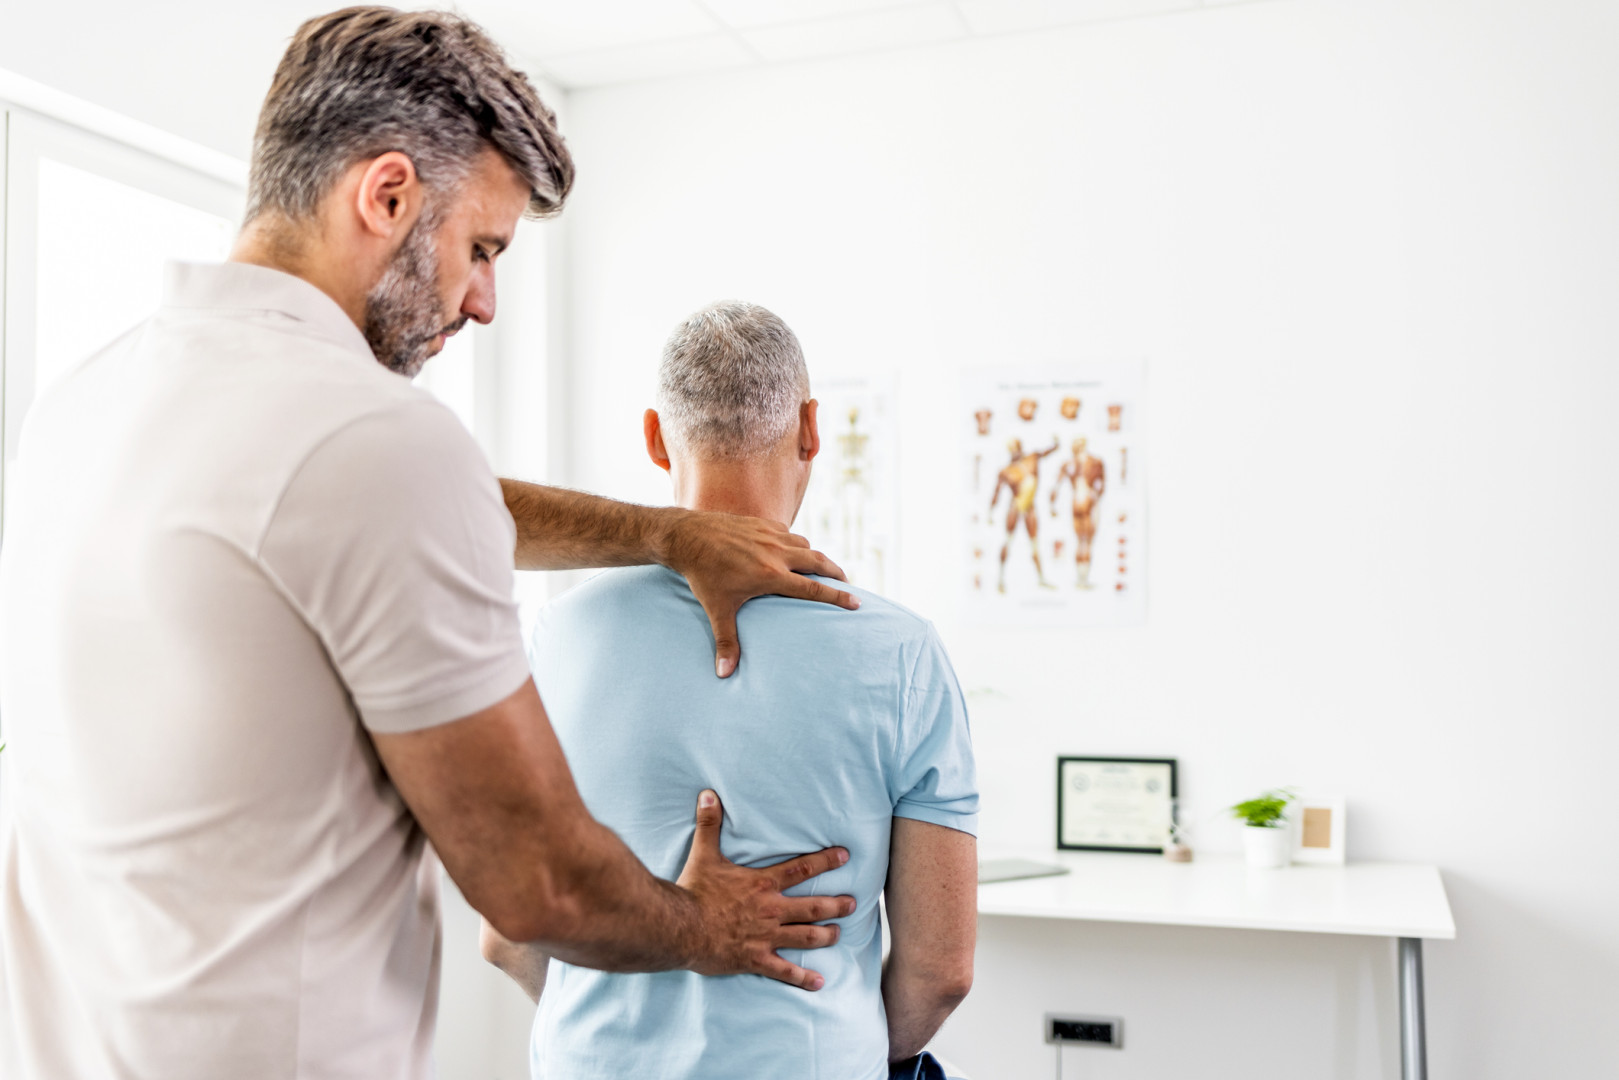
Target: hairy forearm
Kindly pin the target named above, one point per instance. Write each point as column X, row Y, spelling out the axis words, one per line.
column 604, row 910
column 559, row 529
column 917, row 1003
column 494, row 794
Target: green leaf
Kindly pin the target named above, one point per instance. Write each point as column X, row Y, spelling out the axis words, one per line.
column 1267, row 810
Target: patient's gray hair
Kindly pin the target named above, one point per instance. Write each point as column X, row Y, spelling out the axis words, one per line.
column 731, row 382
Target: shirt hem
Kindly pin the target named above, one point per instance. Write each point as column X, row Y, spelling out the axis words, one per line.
column 949, row 819
column 498, row 685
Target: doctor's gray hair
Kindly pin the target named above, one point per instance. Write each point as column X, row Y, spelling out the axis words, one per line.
column 731, row 382
column 358, row 83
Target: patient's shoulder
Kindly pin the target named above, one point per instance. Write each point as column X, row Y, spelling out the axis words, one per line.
column 881, row 632
column 633, row 587
column 619, row 592
column 643, row 601
column 878, row 609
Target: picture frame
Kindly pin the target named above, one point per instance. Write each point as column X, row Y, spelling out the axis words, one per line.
column 1115, row 803
column 1319, row 827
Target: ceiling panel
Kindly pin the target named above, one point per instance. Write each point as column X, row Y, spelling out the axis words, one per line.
column 551, row 27
column 890, row 29
column 1010, row 16
column 580, row 43
column 652, row 61
column 750, row 13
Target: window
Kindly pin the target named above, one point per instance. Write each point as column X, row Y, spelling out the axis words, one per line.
column 100, row 254
column 451, row 376
column 90, row 224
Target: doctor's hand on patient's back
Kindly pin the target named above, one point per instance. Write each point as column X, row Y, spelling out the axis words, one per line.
column 746, row 915
column 494, row 794
column 728, row 559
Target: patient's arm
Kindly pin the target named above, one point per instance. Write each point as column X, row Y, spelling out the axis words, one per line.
column 933, row 913
column 526, row 964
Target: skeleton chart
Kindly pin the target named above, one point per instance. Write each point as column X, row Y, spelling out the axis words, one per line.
column 850, row 507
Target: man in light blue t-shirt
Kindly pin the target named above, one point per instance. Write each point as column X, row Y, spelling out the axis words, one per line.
column 839, row 727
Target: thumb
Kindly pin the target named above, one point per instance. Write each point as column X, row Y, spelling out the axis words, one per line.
column 727, row 649
column 710, row 816
column 705, row 845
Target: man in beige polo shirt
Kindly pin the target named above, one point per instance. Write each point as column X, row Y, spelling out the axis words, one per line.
column 257, row 639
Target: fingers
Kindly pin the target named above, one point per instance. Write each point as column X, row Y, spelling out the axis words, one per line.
column 803, row 588
column 710, row 816
column 727, row 648
column 816, row 562
column 791, row 974
column 814, row 909
column 801, row 869
column 807, row 937
column 810, row 561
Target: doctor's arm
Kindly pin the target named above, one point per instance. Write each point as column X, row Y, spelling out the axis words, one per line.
column 494, row 794
column 727, row 559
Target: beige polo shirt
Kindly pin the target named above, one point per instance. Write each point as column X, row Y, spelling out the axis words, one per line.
column 235, row 542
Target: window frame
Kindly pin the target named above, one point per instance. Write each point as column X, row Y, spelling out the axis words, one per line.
column 30, row 138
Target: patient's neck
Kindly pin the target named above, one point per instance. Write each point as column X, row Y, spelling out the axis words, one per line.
column 764, row 488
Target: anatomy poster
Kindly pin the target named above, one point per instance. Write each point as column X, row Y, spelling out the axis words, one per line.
column 1055, row 471
column 849, row 508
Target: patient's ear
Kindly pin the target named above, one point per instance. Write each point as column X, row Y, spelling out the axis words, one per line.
column 654, row 440
column 809, row 432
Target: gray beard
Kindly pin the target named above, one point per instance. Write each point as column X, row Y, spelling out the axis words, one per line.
column 403, row 312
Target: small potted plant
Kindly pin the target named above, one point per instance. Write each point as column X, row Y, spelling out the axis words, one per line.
column 1265, row 836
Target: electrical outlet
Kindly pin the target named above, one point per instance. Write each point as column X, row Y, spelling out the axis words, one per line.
column 1093, row 1030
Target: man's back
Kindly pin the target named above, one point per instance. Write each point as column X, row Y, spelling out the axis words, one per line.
column 834, row 724
column 203, row 870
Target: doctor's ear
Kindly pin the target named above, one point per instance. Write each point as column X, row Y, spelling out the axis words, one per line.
column 809, row 431
column 388, row 197
column 654, row 439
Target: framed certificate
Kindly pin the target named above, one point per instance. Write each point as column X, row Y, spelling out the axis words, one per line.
column 1115, row 804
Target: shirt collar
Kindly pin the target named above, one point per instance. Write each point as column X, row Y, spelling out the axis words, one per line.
column 235, row 286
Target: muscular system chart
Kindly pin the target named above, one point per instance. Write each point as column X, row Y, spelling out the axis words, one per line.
column 1054, row 495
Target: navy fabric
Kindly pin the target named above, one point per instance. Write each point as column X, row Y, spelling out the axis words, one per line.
column 923, row 1066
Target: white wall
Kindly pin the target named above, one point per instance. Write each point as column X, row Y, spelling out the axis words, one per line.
column 1371, row 251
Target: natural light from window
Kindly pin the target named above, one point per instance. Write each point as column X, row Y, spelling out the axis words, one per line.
column 451, row 376
column 102, row 247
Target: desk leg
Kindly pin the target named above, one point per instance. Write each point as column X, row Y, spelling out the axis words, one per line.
column 1413, row 1029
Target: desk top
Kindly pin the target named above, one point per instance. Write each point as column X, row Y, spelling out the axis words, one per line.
column 1372, row 898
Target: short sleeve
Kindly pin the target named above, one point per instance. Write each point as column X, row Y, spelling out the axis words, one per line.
column 936, row 778
column 394, row 542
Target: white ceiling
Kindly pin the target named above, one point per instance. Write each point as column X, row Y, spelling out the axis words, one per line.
column 232, row 48
column 583, row 43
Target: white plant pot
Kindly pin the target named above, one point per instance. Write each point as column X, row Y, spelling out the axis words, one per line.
column 1267, row 849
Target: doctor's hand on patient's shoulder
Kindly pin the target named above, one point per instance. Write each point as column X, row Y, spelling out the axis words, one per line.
column 744, row 914
column 729, row 559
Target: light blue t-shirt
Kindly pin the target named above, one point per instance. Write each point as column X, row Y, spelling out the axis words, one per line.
column 835, row 723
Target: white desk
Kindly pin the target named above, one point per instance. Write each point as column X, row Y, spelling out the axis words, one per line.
column 1398, row 900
